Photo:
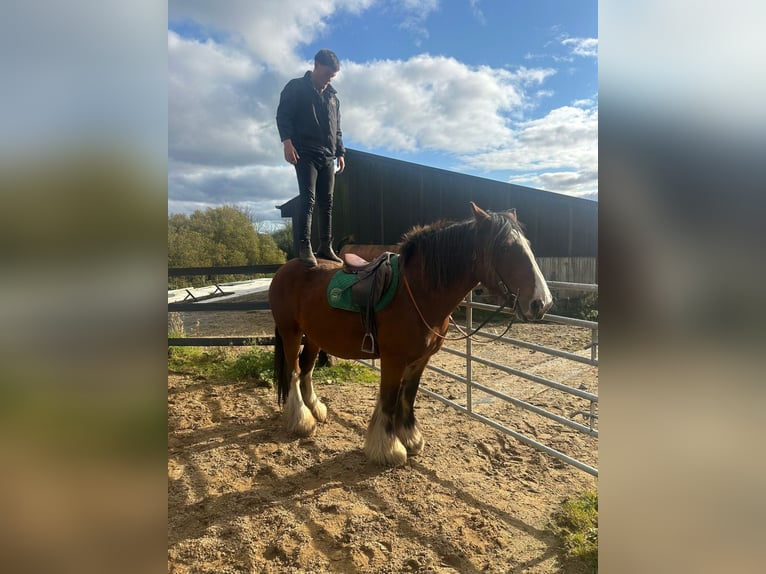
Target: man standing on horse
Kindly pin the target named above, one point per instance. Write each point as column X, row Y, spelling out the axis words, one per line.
column 308, row 119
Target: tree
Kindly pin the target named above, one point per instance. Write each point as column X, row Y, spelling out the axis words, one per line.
column 284, row 240
column 218, row 237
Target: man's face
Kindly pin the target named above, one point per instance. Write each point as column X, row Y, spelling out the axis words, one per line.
column 322, row 76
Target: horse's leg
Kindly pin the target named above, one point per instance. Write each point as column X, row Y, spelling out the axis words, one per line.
column 406, row 426
column 381, row 444
column 306, row 361
column 298, row 417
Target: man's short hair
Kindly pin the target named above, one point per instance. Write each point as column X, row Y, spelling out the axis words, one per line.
column 327, row 58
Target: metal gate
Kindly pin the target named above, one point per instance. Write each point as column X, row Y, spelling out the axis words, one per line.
column 590, row 400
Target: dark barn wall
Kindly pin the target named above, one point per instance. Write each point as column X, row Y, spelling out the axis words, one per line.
column 377, row 199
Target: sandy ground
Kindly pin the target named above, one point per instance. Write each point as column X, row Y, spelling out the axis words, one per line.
column 244, row 496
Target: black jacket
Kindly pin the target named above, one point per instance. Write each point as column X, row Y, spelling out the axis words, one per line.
column 310, row 119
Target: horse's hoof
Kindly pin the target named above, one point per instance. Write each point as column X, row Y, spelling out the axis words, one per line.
column 397, row 456
column 319, row 410
column 386, row 453
column 412, row 440
column 301, row 422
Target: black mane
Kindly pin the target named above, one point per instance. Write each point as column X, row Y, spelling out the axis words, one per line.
column 448, row 249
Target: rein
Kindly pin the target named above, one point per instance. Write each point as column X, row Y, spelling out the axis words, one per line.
column 477, row 329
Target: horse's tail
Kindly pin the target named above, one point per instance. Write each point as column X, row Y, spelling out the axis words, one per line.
column 281, row 376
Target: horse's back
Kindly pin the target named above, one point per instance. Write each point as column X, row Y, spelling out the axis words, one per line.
column 295, row 277
column 295, row 285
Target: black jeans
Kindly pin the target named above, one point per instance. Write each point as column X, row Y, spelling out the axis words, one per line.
column 316, row 182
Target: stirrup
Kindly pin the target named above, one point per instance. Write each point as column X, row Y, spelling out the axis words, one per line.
column 371, row 350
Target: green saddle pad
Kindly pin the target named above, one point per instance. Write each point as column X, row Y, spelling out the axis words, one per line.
column 339, row 289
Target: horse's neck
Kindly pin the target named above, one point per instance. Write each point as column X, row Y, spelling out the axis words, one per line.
column 438, row 304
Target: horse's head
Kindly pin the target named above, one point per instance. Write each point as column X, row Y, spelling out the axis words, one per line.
column 506, row 266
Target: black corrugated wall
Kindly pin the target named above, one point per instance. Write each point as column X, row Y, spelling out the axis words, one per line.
column 377, row 199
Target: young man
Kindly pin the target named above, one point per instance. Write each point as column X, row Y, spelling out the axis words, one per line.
column 308, row 119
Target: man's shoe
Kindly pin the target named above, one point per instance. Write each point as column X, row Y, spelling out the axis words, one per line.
column 325, row 252
column 305, row 254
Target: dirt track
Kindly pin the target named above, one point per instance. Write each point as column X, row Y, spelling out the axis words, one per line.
column 244, row 496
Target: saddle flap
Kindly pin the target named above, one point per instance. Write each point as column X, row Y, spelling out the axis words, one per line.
column 373, row 279
column 358, row 283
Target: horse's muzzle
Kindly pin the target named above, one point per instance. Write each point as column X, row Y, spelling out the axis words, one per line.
column 537, row 310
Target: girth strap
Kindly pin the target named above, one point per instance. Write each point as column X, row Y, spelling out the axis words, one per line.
column 373, row 278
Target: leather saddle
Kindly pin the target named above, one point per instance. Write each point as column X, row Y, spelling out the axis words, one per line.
column 373, row 279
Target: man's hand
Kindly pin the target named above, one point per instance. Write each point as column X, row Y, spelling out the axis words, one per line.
column 291, row 154
column 341, row 164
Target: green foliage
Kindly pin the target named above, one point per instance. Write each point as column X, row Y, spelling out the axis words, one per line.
column 217, row 237
column 176, row 326
column 257, row 365
column 575, row 305
column 198, row 361
column 284, row 240
column 346, row 371
column 576, row 523
column 228, row 364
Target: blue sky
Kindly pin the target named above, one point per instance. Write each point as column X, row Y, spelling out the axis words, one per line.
column 502, row 89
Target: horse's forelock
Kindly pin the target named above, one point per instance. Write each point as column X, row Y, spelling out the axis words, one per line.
column 504, row 225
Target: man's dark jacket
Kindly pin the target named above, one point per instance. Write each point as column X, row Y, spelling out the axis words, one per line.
column 309, row 119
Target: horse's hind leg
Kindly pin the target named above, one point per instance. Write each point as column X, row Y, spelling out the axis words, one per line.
column 298, row 417
column 382, row 445
column 407, row 428
column 306, row 361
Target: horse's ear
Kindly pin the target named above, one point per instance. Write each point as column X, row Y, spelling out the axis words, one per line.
column 478, row 213
column 512, row 211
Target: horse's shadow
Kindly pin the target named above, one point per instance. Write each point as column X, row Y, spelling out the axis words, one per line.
column 348, row 469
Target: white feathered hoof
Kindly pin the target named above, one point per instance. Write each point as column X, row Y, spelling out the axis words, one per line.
column 298, row 417
column 384, row 448
column 319, row 410
column 412, row 440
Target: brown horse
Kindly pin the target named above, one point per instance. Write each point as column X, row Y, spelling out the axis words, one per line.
column 438, row 265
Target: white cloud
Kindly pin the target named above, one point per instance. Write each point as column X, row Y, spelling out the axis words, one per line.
column 585, row 47
column 269, row 30
column 432, row 102
column 415, row 13
column 223, row 144
column 477, row 12
column 222, row 105
column 258, row 187
column 558, row 152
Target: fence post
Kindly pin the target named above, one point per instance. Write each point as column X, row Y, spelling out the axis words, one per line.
column 468, row 349
column 594, row 344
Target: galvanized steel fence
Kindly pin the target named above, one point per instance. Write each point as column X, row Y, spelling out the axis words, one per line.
column 472, row 385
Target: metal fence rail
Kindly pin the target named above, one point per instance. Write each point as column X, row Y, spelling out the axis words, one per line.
column 231, row 270
column 471, row 384
column 220, row 306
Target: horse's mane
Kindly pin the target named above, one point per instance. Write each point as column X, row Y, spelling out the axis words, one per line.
column 448, row 249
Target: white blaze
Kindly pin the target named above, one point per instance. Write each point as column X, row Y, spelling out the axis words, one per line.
column 541, row 287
